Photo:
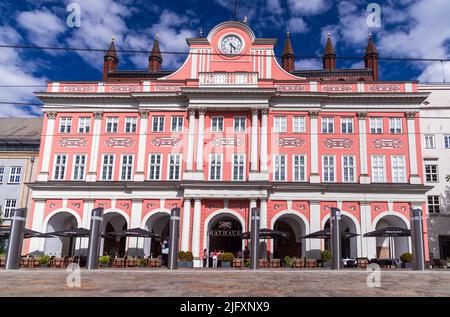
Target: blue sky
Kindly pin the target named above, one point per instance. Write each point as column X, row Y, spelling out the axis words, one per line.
column 409, row 28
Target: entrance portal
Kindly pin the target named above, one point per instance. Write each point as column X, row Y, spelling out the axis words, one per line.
column 224, row 234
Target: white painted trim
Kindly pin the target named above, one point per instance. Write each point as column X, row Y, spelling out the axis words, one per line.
column 119, row 211
column 388, row 213
column 151, row 214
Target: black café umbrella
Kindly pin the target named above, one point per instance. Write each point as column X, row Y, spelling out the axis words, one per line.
column 389, row 232
column 72, row 233
column 267, row 234
column 27, row 233
column 135, row 232
column 325, row 234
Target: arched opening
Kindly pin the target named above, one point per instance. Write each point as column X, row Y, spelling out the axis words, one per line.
column 61, row 246
column 391, row 247
column 157, row 223
column 224, row 233
column 292, row 246
column 113, row 245
column 349, row 247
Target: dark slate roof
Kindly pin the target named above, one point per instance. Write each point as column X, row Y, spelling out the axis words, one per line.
column 137, row 74
column 20, row 130
column 336, row 74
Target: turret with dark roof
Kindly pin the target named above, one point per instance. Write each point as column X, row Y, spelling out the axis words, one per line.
column 288, row 56
column 329, row 56
column 110, row 60
column 155, row 58
column 371, row 58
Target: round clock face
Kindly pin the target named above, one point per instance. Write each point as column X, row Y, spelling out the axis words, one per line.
column 231, row 45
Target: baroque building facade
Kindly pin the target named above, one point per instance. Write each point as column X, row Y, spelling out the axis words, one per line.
column 231, row 129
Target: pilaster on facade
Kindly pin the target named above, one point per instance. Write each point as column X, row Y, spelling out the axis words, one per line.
column 315, row 225
column 139, row 176
column 44, row 173
column 93, row 162
column 364, row 177
column 314, row 176
column 412, row 146
column 200, row 139
column 196, row 225
column 186, row 225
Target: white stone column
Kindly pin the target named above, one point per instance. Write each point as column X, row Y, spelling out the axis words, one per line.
column 314, row 225
column 410, row 119
column 37, row 244
column 48, row 144
column 190, row 141
column 134, row 243
column 263, row 214
column 96, row 131
column 315, row 176
column 368, row 245
column 264, row 138
column 86, row 223
column 364, row 172
column 196, row 232
column 201, row 128
column 252, row 205
column 186, row 225
column 139, row 176
column 254, row 141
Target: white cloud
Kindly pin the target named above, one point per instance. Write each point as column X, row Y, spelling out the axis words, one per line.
column 297, row 25
column 275, row 7
column 309, row 7
column 309, row 64
column 43, row 27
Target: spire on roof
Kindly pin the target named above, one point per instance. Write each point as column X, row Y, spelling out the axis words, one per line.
column 288, row 50
column 155, row 58
column 329, row 49
column 288, row 56
column 371, row 49
column 329, row 56
column 111, row 52
column 371, row 57
column 110, row 60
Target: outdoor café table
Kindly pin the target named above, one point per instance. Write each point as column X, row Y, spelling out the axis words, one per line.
column 118, row 262
column 58, row 262
column 385, row 263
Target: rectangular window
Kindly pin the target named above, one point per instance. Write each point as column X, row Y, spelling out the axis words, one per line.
column 112, row 124
column 279, row 167
column 84, row 124
column 433, row 204
column 14, row 174
column 217, row 124
column 130, row 125
column 376, row 125
column 107, row 167
column 429, row 141
column 395, row 125
column 126, row 169
column 280, row 124
column 10, row 206
column 431, row 173
column 398, row 169
column 299, row 168
column 174, row 166
column 447, row 141
column 327, row 125
column 177, row 124
column 239, row 124
column 346, row 125
column 79, row 163
column 378, row 169
column 238, row 167
column 155, row 167
column 2, row 174
column 348, row 169
column 158, row 124
column 329, row 168
column 60, row 167
column 215, row 167
column 298, row 124
column 65, row 124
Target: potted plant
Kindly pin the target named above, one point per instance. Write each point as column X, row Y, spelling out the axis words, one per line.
column 44, row 260
column 104, row 261
column 288, row 261
column 326, row 259
column 143, row 262
column 406, row 259
column 185, row 259
column 227, row 258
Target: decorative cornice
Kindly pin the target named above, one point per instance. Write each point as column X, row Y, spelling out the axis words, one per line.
column 51, row 114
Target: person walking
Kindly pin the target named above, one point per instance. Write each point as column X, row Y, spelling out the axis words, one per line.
column 214, row 258
column 205, row 258
column 165, row 252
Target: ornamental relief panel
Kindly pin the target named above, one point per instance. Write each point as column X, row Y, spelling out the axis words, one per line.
column 290, row 142
column 80, row 88
column 291, row 88
column 232, row 142
column 337, row 88
column 338, row 143
column 119, row 142
column 129, row 88
column 383, row 88
column 72, row 142
column 166, row 141
column 387, row 143
column 167, row 88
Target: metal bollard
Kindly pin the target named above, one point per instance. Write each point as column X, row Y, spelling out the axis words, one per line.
column 15, row 241
column 173, row 238
column 254, row 239
column 417, row 239
column 94, row 238
column 335, row 220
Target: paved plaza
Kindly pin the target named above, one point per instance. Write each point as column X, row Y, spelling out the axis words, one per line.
column 191, row 282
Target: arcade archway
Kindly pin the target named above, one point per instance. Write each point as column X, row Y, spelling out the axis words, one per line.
column 349, row 246
column 113, row 245
column 60, row 246
column 157, row 223
column 224, row 232
column 391, row 247
column 293, row 245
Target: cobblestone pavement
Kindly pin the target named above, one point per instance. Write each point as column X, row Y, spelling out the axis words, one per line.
column 224, row 282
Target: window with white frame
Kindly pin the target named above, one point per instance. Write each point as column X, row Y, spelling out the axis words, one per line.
column 174, row 166
column 239, row 124
column 398, row 169
column 158, row 124
column 2, row 173
column 348, row 169
column 346, row 125
column 430, row 141
column 79, row 163
column 107, row 167
column 299, row 167
column 60, row 167
column 238, row 167
column 215, row 167
column 65, row 124
column 328, row 168
column 10, row 206
column 447, row 141
column 395, row 125
column 431, row 173
column 378, row 172
column 434, row 206
column 376, row 125
column 84, row 124
column 327, row 125
column 112, row 124
column 279, row 168
column 298, row 124
column 15, row 173
column 126, row 170
column 155, row 167
column 217, row 124
column 280, row 124
column 177, row 124
column 130, row 125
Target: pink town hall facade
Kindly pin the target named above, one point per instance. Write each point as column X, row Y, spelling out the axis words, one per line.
column 231, row 129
